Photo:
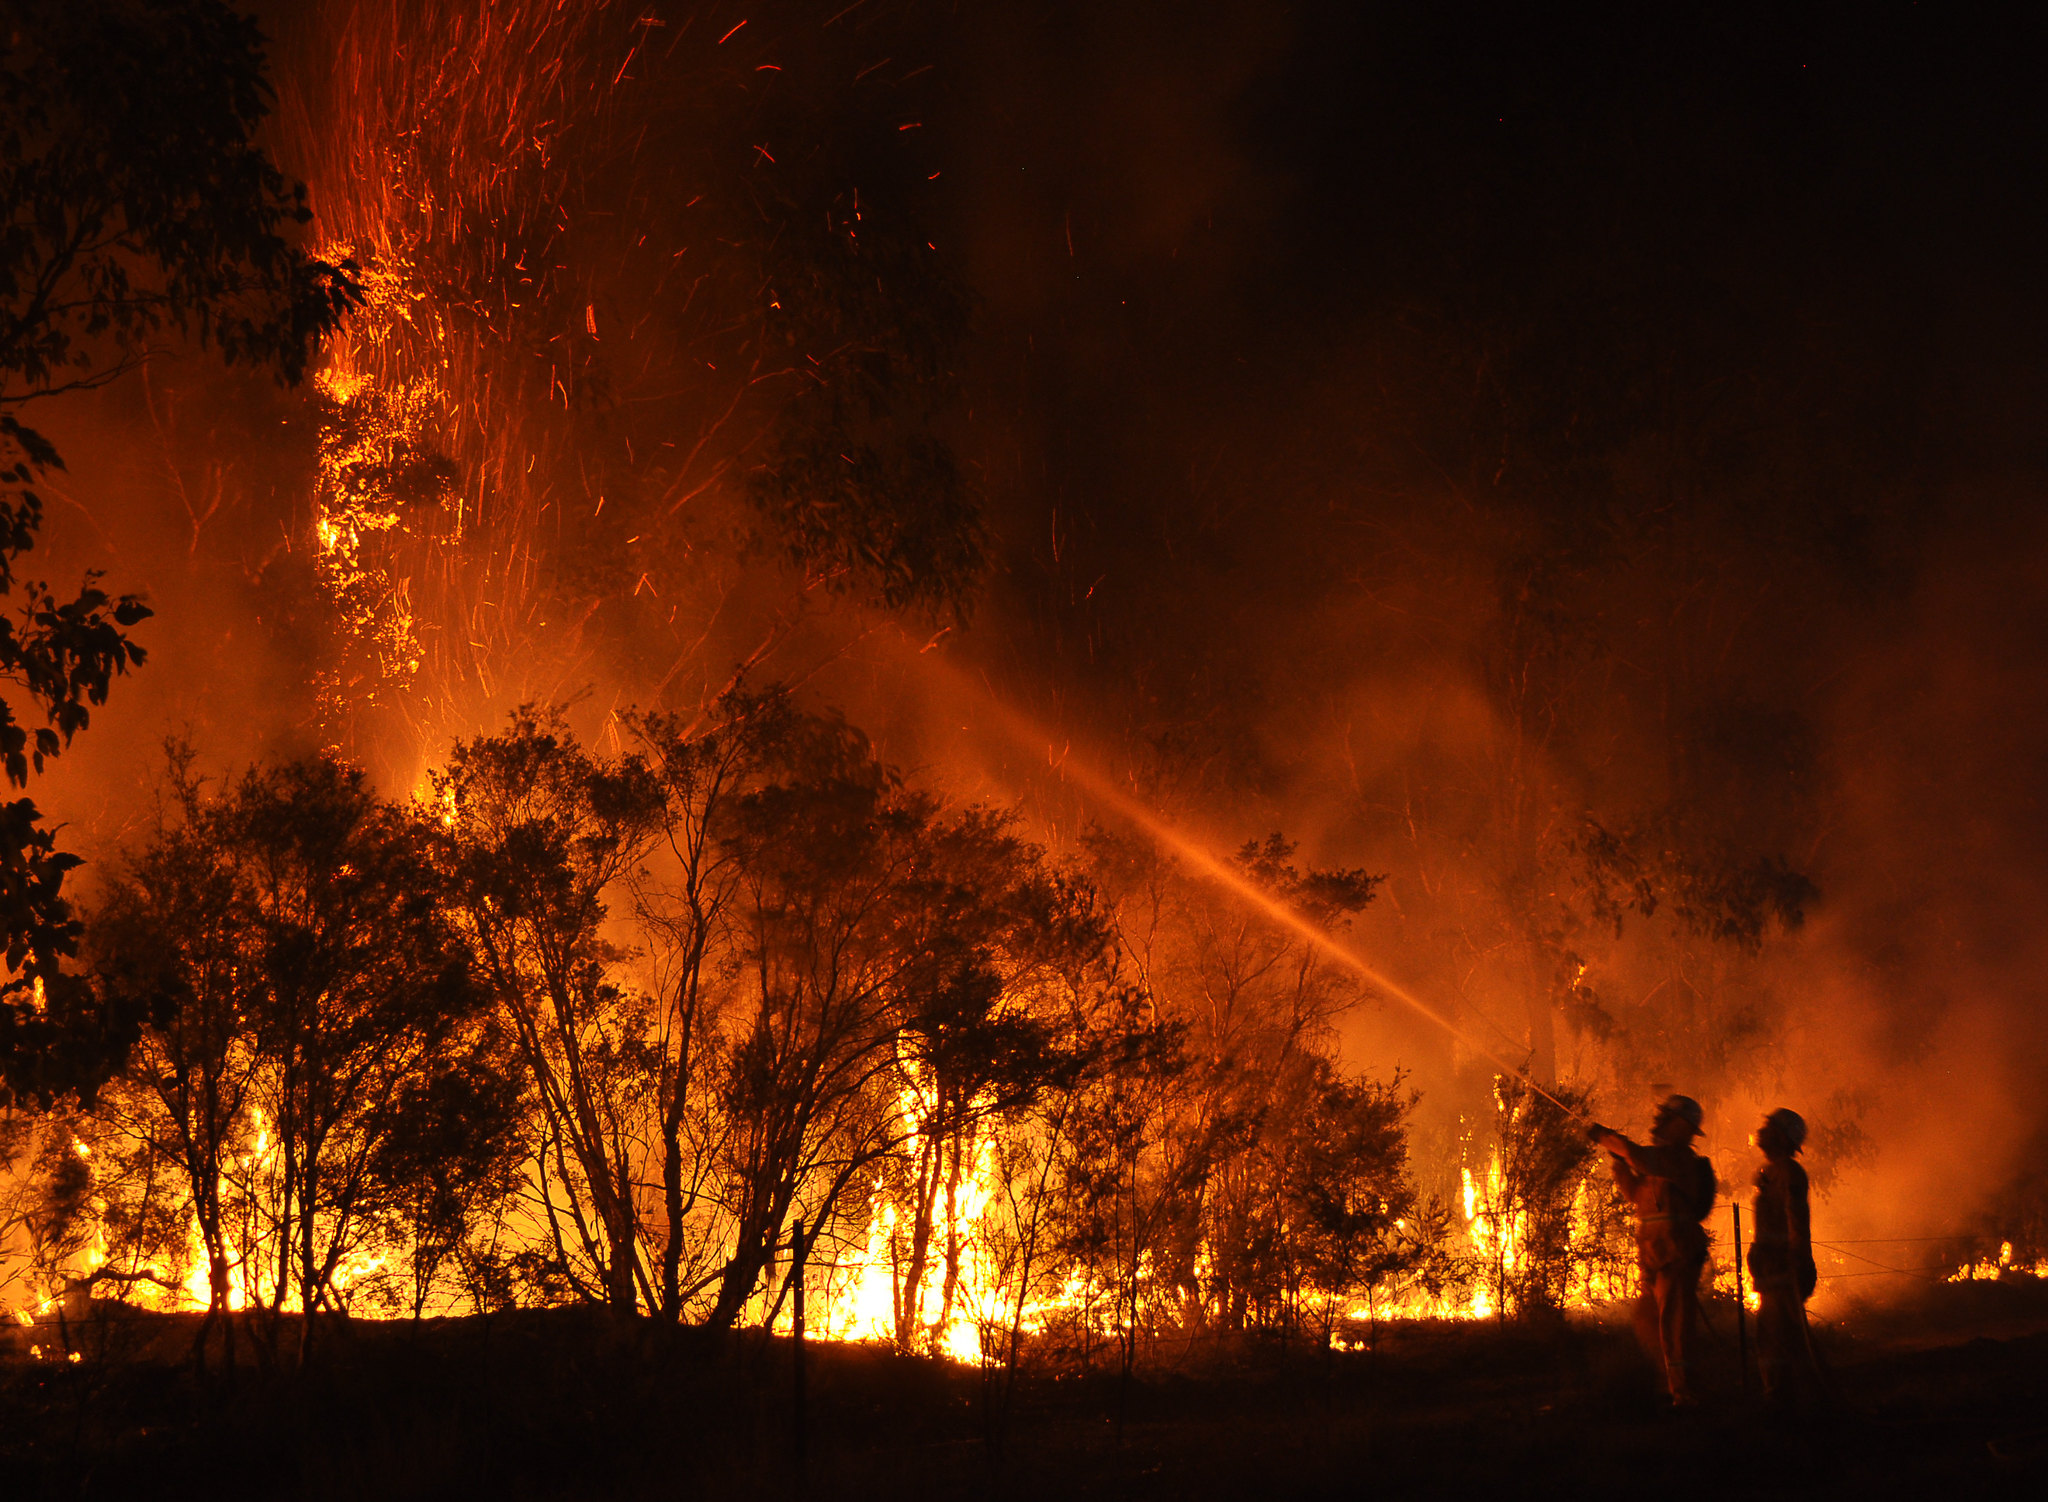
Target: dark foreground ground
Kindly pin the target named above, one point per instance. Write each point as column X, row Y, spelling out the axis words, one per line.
column 1946, row 1397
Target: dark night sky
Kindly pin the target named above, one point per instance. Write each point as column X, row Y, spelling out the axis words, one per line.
column 1272, row 297
column 1261, row 201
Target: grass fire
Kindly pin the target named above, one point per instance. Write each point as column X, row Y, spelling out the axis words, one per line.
column 834, row 749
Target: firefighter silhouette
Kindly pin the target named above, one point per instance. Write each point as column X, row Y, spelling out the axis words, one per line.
column 1781, row 1258
column 1671, row 1188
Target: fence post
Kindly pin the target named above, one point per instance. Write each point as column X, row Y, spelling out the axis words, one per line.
column 798, row 1415
column 1741, row 1297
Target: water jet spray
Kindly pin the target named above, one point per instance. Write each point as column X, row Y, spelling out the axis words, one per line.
column 1022, row 731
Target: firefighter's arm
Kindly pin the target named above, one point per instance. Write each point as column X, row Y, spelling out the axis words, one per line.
column 1612, row 1142
column 1799, row 1213
column 1646, row 1159
column 1626, row 1178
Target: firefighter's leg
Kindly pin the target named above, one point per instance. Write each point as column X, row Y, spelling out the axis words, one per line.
column 1770, row 1338
column 1674, row 1323
column 1648, row 1319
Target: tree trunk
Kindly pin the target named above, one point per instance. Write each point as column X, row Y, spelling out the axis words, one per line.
column 620, row 1295
column 672, row 1200
column 951, row 1287
column 910, row 1295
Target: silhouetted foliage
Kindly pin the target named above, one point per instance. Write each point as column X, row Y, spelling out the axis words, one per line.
column 542, row 834
column 449, row 1159
column 1346, row 1222
column 1200, row 1166
column 641, row 1027
column 834, row 981
column 137, row 205
column 311, row 1017
column 859, row 485
column 1546, row 1206
column 1717, row 894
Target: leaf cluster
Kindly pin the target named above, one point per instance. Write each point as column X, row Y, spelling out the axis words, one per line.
column 313, row 1065
column 135, row 203
column 138, row 200
column 860, row 483
column 1715, row 892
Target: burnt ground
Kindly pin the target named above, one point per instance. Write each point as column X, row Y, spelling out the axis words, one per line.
column 1945, row 1397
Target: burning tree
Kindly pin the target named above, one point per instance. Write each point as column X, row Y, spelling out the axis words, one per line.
column 889, row 951
column 1343, row 1220
column 541, row 835
column 445, row 1174
column 167, row 932
column 748, row 969
column 651, row 329
column 989, row 1032
column 644, row 1027
column 1050, row 1257
column 1545, row 1223
column 1119, row 1189
column 683, row 897
column 1255, row 1002
column 310, row 1003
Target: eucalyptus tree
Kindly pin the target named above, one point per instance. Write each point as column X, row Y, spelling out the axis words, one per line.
column 1255, row 1004
column 136, row 206
column 306, row 992
column 989, row 1027
column 541, row 835
column 448, row 1171
column 753, row 975
column 895, row 985
column 167, row 933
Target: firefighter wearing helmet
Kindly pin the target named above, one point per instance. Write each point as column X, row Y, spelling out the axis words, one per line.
column 1781, row 1258
column 1672, row 1190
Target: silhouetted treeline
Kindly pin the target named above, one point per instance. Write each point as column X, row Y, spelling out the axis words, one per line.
column 644, row 1027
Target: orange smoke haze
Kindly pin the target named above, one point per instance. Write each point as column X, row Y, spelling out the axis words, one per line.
column 1262, row 561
